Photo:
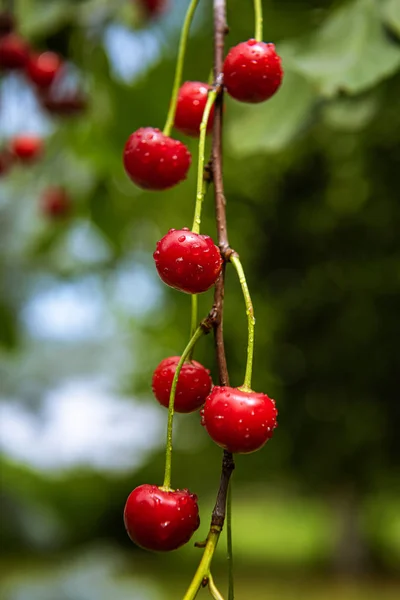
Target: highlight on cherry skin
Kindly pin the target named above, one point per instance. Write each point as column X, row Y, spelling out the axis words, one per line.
column 161, row 520
column 26, row 148
column 252, row 71
column 194, row 384
column 187, row 261
column 192, row 100
column 155, row 161
column 239, row 421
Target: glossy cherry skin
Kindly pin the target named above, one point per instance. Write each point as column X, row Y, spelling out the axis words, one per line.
column 159, row 520
column 192, row 100
column 252, row 71
column 26, row 147
column 14, row 52
column 239, row 421
column 43, row 68
column 55, row 203
column 194, row 384
column 187, row 261
column 155, row 161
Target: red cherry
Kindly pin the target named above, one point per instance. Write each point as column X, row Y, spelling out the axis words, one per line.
column 155, row 161
column 55, row 202
column 194, row 384
column 43, row 68
column 159, row 520
column 187, row 261
column 192, row 99
column 67, row 105
column 239, row 421
column 252, row 71
column 14, row 52
column 26, row 147
column 153, row 8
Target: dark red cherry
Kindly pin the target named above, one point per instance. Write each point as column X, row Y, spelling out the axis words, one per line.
column 192, row 99
column 154, row 8
column 55, row 203
column 194, row 384
column 14, row 52
column 26, row 147
column 188, row 261
column 239, row 421
column 155, row 161
column 43, row 68
column 252, row 71
column 160, row 520
column 63, row 104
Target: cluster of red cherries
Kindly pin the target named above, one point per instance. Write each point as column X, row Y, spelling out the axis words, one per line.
column 44, row 70
column 237, row 419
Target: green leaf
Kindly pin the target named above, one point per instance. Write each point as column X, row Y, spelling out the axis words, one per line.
column 349, row 53
column 391, row 15
column 271, row 126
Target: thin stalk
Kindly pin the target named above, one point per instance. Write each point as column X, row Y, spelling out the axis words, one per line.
column 258, row 13
column 235, row 260
column 179, row 66
column 203, row 569
column 231, row 593
column 214, row 591
column 193, row 321
column 168, row 453
column 201, row 184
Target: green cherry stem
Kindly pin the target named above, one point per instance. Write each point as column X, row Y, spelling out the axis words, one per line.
column 235, row 260
column 201, row 183
column 168, row 453
column 231, row 593
column 179, row 66
column 203, row 570
column 258, row 31
column 214, row 591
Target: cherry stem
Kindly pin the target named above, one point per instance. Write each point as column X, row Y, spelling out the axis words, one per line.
column 203, row 570
column 231, row 593
column 168, row 453
column 235, row 260
column 258, row 31
column 214, row 591
column 179, row 66
column 193, row 322
column 201, row 183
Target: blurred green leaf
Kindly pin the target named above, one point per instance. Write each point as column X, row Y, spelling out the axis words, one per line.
column 391, row 15
column 349, row 53
column 270, row 126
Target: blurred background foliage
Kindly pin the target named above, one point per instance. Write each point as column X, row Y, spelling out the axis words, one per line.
column 312, row 182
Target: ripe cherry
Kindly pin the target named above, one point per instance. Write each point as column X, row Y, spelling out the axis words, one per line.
column 194, row 384
column 252, row 71
column 63, row 105
column 55, row 202
column 155, row 161
column 153, row 8
column 26, row 147
column 43, row 68
column 192, row 99
column 187, row 261
column 161, row 520
column 239, row 421
column 14, row 52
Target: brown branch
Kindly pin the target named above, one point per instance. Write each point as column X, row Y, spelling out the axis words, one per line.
column 220, row 30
